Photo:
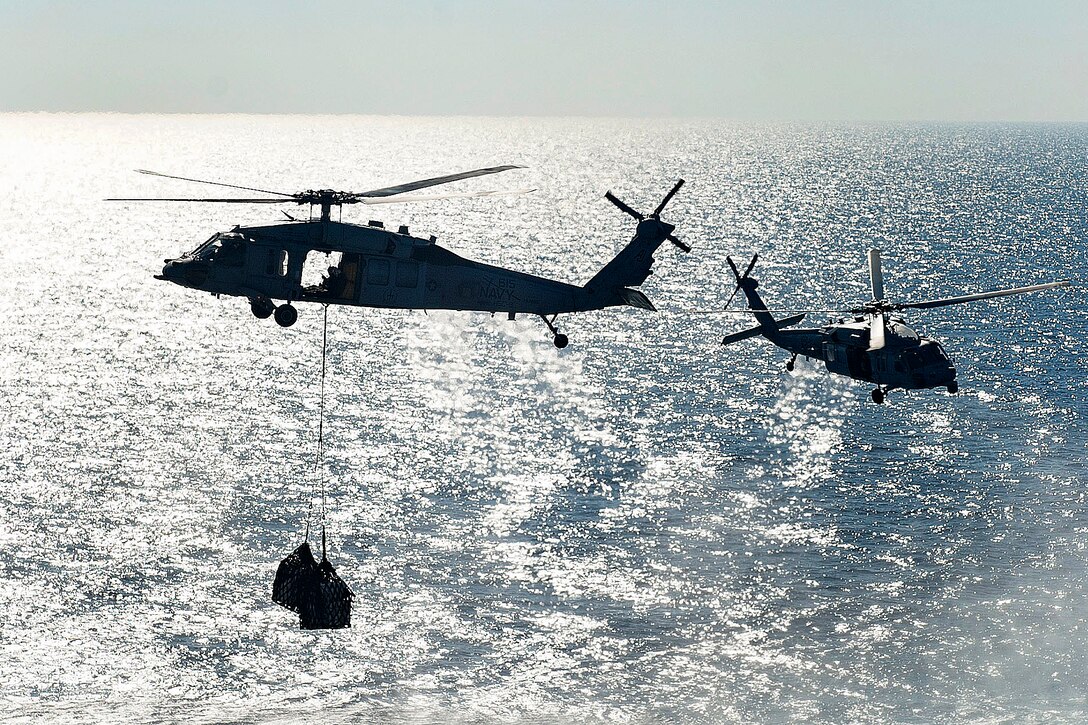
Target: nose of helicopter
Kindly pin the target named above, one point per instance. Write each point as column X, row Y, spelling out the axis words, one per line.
column 186, row 272
column 171, row 272
column 943, row 375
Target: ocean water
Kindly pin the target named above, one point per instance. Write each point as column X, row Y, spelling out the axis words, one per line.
column 643, row 527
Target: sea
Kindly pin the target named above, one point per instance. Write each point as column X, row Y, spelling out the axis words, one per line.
column 643, row 527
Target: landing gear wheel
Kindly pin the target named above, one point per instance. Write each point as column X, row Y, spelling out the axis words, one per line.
column 262, row 309
column 878, row 396
column 286, row 315
column 953, row 386
column 558, row 338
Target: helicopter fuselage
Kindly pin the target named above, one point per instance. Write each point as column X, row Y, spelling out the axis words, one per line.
column 382, row 268
column 906, row 361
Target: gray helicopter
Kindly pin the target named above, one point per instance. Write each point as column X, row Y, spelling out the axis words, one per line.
column 382, row 268
column 874, row 346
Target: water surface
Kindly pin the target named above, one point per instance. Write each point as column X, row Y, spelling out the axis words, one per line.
column 642, row 527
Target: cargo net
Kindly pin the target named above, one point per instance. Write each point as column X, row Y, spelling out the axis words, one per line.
column 321, row 598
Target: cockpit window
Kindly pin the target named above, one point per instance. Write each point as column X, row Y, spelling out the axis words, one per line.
column 204, row 249
column 930, row 353
column 898, row 328
column 922, row 356
column 229, row 249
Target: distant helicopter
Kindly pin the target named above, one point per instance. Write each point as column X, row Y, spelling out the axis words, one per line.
column 874, row 346
column 382, row 268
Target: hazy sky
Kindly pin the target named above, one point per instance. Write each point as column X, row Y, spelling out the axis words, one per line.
column 825, row 59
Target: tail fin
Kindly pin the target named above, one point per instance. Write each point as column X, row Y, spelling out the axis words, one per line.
column 768, row 326
column 634, row 263
column 755, row 302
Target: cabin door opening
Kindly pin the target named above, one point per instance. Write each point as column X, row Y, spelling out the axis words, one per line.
column 331, row 276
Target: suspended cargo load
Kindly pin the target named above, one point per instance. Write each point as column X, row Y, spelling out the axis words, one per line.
column 320, row 597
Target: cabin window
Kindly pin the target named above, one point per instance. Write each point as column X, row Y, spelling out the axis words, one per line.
column 407, row 274
column 377, row 272
column 277, row 263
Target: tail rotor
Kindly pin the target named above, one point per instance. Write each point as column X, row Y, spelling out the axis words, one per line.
column 740, row 277
column 667, row 199
column 656, row 215
column 622, row 206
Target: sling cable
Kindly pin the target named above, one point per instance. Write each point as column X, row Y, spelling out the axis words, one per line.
column 320, row 597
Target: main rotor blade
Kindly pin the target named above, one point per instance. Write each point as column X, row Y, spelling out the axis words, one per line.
column 773, row 312
column 424, row 183
column 219, row 201
column 667, row 199
column 213, row 183
column 980, row 296
column 876, row 332
column 435, row 197
column 876, row 276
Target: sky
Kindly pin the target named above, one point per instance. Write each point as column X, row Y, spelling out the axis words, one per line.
column 823, row 60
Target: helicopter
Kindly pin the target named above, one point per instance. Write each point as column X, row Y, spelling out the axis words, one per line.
column 876, row 346
column 382, row 268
